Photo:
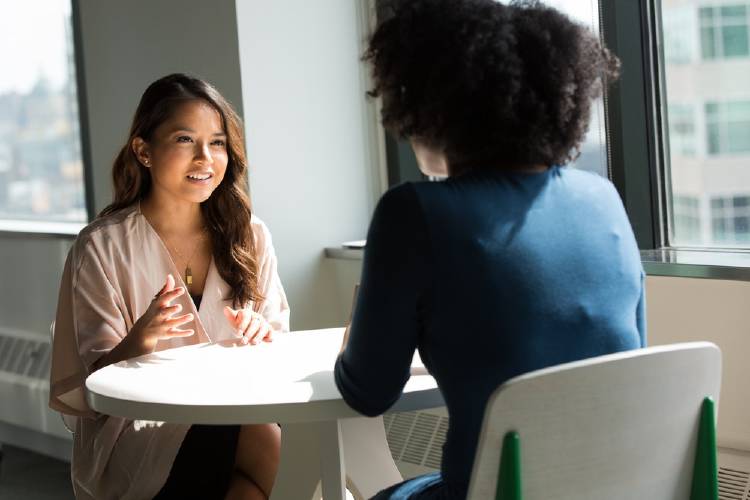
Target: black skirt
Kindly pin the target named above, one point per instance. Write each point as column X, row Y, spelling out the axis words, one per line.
column 204, row 465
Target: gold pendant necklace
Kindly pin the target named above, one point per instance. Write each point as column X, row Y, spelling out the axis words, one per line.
column 188, row 270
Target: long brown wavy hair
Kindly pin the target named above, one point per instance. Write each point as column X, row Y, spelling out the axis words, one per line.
column 227, row 211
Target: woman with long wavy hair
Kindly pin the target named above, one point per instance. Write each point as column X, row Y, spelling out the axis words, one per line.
column 176, row 259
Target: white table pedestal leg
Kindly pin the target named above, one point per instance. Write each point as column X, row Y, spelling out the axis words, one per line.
column 299, row 467
column 332, row 461
column 310, row 452
column 369, row 463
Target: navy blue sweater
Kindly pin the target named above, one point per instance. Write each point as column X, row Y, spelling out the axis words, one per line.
column 490, row 275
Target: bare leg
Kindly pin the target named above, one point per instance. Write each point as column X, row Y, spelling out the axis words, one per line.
column 258, row 451
column 241, row 488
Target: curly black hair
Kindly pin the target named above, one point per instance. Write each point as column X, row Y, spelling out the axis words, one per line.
column 488, row 84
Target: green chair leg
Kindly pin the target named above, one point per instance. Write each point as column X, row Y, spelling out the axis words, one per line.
column 705, row 471
column 509, row 475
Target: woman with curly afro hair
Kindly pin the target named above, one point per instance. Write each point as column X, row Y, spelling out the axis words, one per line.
column 513, row 263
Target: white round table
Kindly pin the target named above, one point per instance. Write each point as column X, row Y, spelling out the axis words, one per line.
column 289, row 381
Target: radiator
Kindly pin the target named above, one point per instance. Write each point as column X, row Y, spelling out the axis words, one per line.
column 25, row 417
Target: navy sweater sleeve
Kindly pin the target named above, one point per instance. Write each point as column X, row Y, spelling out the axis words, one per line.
column 372, row 370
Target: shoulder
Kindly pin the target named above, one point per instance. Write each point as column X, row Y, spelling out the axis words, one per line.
column 399, row 201
column 589, row 181
column 398, row 216
column 102, row 232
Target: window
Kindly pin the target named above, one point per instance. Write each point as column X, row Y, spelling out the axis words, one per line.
column 680, row 43
column 687, row 219
column 724, row 31
column 730, row 220
column 682, row 130
column 728, row 127
column 41, row 170
column 594, row 148
column 708, row 124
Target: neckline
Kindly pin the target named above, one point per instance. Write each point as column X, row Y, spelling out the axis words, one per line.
column 175, row 270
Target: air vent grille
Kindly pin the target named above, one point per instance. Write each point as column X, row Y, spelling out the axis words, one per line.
column 734, row 484
column 28, row 357
column 416, row 437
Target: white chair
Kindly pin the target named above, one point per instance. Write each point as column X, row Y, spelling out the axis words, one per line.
column 615, row 427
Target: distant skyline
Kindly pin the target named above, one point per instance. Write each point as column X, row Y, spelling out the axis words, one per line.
column 32, row 37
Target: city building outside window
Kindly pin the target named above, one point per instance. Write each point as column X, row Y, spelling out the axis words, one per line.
column 682, row 129
column 687, row 217
column 724, row 31
column 728, row 127
column 730, row 219
column 41, row 168
column 708, row 122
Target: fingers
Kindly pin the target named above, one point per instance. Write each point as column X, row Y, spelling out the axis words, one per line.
column 267, row 336
column 165, row 298
column 168, row 285
column 172, row 325
column 256, row 330
column 249, row 325
column 176, row 333
column 167, row 312
column 177, row 320
column 244, row 317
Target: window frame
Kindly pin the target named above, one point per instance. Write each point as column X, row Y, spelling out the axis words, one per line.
column 634, row 100
column 55, row 228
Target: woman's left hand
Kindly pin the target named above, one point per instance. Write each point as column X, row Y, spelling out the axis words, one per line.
column 251, row 326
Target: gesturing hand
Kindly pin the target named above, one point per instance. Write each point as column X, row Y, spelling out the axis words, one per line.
column 250, row 325
column 159, row 321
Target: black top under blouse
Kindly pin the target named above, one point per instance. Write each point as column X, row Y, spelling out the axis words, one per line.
column 197, row 300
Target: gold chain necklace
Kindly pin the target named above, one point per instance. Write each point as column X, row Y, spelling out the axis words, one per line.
column 188, row 271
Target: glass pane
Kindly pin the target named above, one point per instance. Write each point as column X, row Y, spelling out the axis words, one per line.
column 715, row 172
column 594, row 148
column 41, row 172
column 733, row 13
column 682, row 47
column 713, row 132
column 735, row 41
column 706, row 14
column 741, row 201
column 708, row 43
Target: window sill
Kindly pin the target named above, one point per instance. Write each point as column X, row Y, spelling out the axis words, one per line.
column 41, row 228
column 345, row 253
column 708, row 264
column 704, row 263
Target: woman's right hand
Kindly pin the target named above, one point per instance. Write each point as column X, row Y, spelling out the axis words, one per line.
column 159, row 321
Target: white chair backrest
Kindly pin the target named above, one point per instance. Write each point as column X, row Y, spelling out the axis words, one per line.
column 615, row 427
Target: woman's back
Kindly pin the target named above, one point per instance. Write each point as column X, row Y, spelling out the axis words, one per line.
column 491, row 274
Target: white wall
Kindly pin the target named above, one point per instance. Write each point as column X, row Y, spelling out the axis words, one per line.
column 689, row 309
column 128, row 45
column 311, row 139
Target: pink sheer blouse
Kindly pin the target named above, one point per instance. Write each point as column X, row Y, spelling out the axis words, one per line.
column 112, row 272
